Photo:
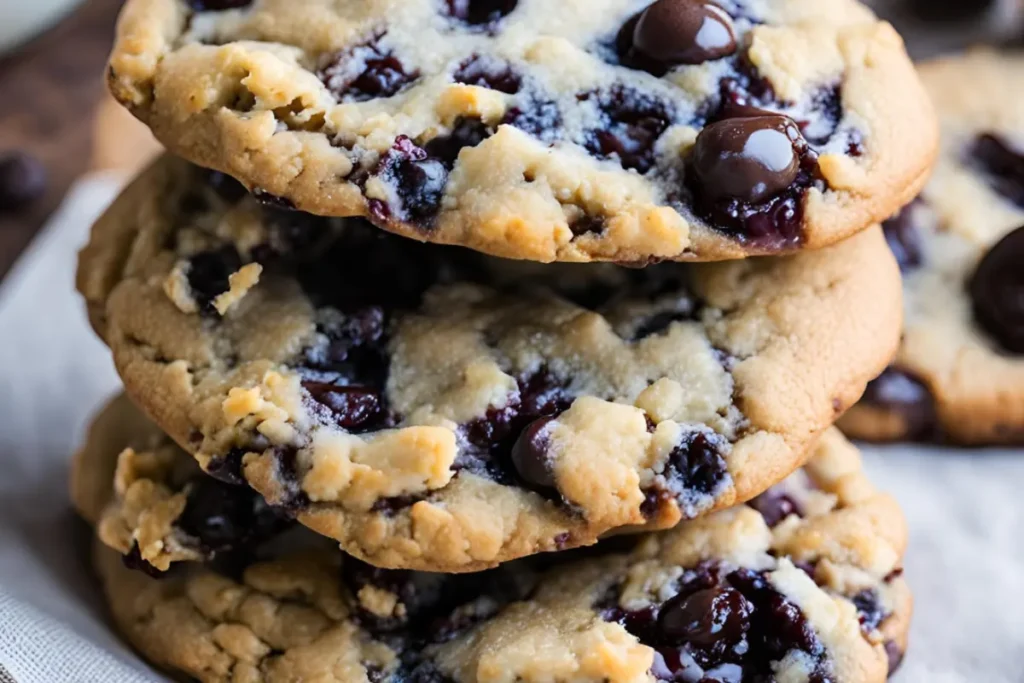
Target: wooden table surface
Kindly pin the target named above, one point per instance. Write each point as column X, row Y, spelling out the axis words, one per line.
column 50, row 88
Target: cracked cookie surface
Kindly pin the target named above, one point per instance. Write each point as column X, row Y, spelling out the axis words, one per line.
column 959, row 375
column 585, row 130
column 805, row 583
column 433, row 408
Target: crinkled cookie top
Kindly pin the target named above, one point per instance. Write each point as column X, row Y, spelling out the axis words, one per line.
column 578, row 130
column 433, row 408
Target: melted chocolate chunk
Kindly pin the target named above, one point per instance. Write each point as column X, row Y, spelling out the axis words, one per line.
column 228, row 469
column 747, row 159
column 749, row 175
column 530, row 455
column 492, row 440
column 481, row 12
column 900, row 392
column 208, row 274
column 489, row 72
column 720, row 626
column 366, row 72
column 1004, row 164
column 904, row 237
column 217, row 5
column 997, row 292
column 417, row 180
column 673, row 32
column 22, row 180
column 775, row 506
column 631, row 123
column 224, row 518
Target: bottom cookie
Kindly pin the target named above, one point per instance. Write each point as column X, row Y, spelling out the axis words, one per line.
column 802, row 584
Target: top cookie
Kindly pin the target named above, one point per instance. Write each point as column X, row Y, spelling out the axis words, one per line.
column 437, row 409
column 582, row 130
column 959, row 375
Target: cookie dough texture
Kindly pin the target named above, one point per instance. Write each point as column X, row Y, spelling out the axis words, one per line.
column 769, row 354
column 239, row 91
column 293, row 617
column 977, row 389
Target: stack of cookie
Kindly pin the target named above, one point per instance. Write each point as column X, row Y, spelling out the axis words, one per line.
column 391, row 380
column 959, row 374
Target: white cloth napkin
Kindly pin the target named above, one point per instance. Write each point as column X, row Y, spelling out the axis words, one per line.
column 966, row 508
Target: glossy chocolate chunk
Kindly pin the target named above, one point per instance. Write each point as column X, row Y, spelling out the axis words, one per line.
column 673, row 32
column 904, row 237
column 747, row 159
column 530, row 455
column 997, row 292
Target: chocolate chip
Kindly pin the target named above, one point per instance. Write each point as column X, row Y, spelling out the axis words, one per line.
column 481, row 12
column 706, row 617
column 22, row 180
column 747, row 159
column 217, row 5
column 1003, row 163
column 997, row 292
column 903, row 236
column 530, row 455
column 673, row 32
column 775, row 506
column 492, row 438
column 900, row 392
column 226, row 518
column 365, row 72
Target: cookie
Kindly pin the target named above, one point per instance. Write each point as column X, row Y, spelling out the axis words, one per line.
column 805, row 583
column 433, row 408
column 959, row 375
column 583, row 130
